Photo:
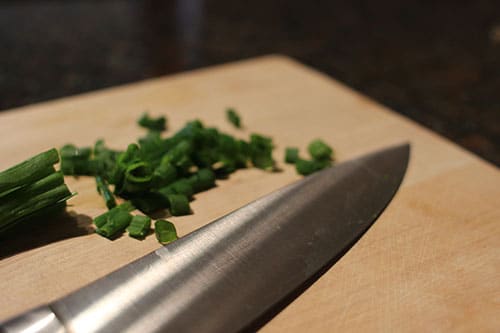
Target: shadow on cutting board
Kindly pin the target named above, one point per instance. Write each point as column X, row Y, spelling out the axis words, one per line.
column 66, row 225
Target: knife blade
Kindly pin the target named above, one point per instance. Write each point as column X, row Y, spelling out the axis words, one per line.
column 227, row 275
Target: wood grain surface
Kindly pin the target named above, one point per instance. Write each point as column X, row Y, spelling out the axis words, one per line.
column 430, row 263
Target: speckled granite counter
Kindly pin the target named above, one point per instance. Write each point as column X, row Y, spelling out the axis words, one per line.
column 437, row 63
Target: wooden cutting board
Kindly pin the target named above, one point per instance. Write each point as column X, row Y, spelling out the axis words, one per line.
column 430, row 263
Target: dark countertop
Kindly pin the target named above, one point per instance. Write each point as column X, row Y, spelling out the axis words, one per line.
column 435, row 62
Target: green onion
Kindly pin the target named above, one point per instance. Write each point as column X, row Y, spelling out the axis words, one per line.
column 76, row 161
column 30, row 190
column 164, row 174
column 321, row 154
column 224, row 166
column 101, row 220
column 138, row 177
column 139, row 226
column 79, row 167
column 27, row 205
column 233, row 117
column 72, row 152
column 149, row 202
column 158, row 173
column 319, row 150
column 105, row 159
column 26, row 221
column 291, row 155
column 153, row 147
column 179, row 204
column 261, row 148
column 181, row 186
column 115, row 223
column 165, row 231
column 156, row 124
column 202, row 180
column 103, row 189
column 22, row 194
column 122, row 161
column 205, row 158
column 29, row 171
column 184, row 166
column 307, row 167
column 178, row 154
column 114, row 220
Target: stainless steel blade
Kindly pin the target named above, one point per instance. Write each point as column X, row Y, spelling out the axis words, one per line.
column 224, row 276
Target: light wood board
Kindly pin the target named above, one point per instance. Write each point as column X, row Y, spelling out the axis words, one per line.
column 430, row 263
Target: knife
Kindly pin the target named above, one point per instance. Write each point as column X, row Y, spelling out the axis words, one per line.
column 231, row 274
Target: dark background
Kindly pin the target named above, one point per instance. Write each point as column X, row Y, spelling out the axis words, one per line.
column 437, row 62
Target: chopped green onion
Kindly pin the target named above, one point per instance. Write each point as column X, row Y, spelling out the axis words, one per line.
column 156, row 124
column 139, row 226
column 224, row 167
column 76, row 161
column 181, row 186
column 105, row 159
column 103, row 189
column 116, row 222
column 72, row 152
column 319, row 150
column 291, row 155
column 202, row 180
column 164, row 174
column 184, row 165
column 165, row 231
column 149, row 202
column 138, row 176
column 178, row 153
column 233, row 117
column 117, row 175
column 307, row 167
column 158, row 173
column 179, row 204
column 261, row 148
column 79, row 167
column 101, row 220
column 205, row 158
column 153, row 147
